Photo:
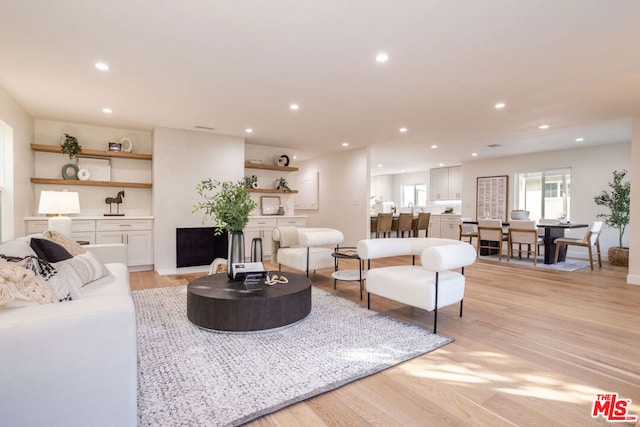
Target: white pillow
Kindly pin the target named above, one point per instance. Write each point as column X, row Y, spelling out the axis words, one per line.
column 17, row 248
column 83, row 268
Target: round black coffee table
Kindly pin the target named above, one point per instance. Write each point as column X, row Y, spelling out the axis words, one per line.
column 217, row 303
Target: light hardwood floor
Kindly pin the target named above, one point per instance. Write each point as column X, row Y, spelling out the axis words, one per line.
column 532, row 348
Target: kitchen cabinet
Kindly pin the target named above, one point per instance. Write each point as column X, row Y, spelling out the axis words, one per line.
column 262, row 227
column 446, row 183
column 449, row 228
column 444, row 226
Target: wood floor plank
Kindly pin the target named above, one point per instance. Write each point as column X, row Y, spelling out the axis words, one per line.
column 532, row 348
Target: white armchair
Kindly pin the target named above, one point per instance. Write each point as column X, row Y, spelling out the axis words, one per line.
column 305, row 249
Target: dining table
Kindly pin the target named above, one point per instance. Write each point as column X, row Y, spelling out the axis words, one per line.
column 552, row 230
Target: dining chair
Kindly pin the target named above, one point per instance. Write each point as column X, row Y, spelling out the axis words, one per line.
column 405, row 223
column 422, row 223
column 524, row 232
column 590, row 239
column 489, row 233
column 467, row 231
column 384, row 224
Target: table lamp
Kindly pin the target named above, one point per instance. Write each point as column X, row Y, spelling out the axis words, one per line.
column 59, row 203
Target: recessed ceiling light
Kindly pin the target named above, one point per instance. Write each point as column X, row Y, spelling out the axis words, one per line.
column 107, row 110
column 295, row 157
column 403, row 130
column 500, row 105
column 102, row 66
column 379, row 165
column 579, row 139
column 543, row 127
column 382, row 57
column 474, row 154
column 248, row 130
column 434, row 146
column 441, row 164
column 345, row 144
column 294, row 107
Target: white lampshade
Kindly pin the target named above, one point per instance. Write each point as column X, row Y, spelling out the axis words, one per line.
column 59, row 203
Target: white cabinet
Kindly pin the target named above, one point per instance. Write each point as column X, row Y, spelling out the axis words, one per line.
column 259, row 228
column 81, row 230
column 444, row 226
column 449, row 228
column 136, row 234
column 434, row 226
column 263, row 228
column 446, row 183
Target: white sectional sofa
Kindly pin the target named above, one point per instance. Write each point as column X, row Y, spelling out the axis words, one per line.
column 72, row 363
column 305, row 249
column 429, row 286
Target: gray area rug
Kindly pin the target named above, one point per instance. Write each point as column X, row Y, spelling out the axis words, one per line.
column 189, row 376
column 567, row 265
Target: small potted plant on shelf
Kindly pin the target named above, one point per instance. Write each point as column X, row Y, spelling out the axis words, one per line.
column 229, row 206
column 618, row 202
column 281, row 184
column 69, row 145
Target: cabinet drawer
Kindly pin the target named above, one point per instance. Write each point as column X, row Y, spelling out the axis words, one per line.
column 123, row 225
column 36, row 227
column 291, row 222
column 262, row 223
column 77, row 225
column 83, row 225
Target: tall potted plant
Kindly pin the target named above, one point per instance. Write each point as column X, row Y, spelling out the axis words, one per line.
column 228, row 204
column 617, row 201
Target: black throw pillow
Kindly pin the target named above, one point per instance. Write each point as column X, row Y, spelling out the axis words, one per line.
column 49, row 251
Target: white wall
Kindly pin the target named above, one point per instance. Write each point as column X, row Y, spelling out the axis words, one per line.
column 181, row 159
column 18, row 202
column 343, row 194
column 633, row 229
column 591, row 170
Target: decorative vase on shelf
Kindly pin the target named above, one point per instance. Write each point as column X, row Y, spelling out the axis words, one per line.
column 235, row 252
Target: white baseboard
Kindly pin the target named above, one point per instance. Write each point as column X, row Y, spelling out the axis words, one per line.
column 633, row 279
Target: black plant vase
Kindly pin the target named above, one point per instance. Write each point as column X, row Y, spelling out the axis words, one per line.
column 236, row 251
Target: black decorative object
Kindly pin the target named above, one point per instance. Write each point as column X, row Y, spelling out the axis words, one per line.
column 236, row 251
column 117, row 200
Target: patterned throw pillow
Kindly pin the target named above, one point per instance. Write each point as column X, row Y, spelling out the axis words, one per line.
column 82, row 269
column 62, row 288
column 73, row 247
column 20, row 287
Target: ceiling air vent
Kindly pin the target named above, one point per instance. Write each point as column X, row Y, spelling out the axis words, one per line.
column 494, row 145
column 205, row 128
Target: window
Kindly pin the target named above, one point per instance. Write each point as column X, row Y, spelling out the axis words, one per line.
column 545, row 194
column 416, row 194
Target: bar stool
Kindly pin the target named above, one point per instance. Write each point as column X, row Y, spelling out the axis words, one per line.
column 405, row 223
column 384, row 224
column 422, row 223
